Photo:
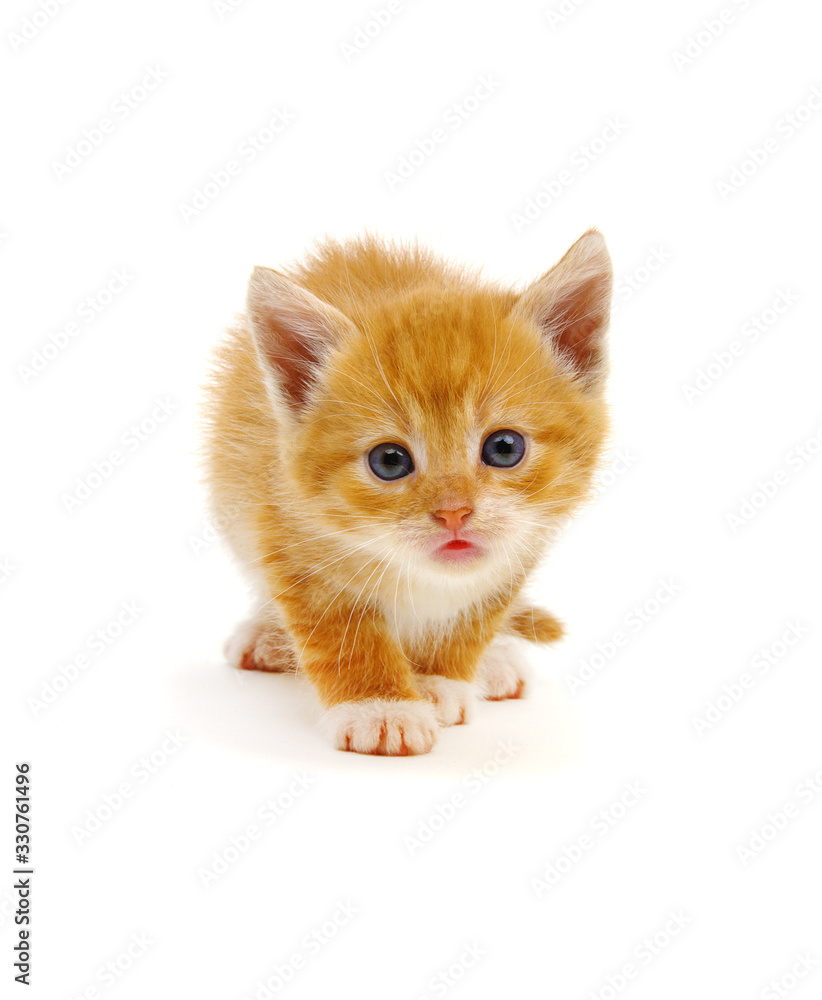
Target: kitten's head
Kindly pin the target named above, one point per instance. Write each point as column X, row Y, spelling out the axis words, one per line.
column 447, row 428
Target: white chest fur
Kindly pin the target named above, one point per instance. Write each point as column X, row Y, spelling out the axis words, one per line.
column 426, row 601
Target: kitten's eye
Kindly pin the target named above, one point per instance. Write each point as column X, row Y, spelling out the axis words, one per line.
column 503, row 449
column 390, row 461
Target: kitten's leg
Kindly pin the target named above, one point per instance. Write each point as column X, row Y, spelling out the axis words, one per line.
column 446, row 671
column 363, row 679
column 504, row 671
column 262, row 643
column 453, row 700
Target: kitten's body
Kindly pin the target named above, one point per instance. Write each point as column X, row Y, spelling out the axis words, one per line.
column 389, row 594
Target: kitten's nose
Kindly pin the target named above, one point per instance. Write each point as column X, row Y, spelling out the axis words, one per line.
column 452, row 519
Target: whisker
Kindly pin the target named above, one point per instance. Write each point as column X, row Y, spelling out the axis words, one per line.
column 353, row 609
column 370, row 601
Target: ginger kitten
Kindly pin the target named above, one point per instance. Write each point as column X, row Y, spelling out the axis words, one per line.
column 391, row 442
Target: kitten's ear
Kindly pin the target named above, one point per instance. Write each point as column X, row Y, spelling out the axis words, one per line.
column 572, row 305
column 293, row 332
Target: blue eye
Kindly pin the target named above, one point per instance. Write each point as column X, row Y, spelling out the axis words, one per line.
column 503, row 449
column 390, row 461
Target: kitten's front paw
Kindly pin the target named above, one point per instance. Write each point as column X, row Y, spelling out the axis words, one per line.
column 453, row 701
column 383, row 727
column 256, row 645
column 503, row 671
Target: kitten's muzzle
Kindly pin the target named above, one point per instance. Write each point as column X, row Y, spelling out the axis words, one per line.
column 457, row 548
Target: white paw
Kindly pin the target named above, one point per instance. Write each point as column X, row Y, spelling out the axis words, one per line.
column 260, row 645
column 503, row 671
column 380, row 726
column 453, row 701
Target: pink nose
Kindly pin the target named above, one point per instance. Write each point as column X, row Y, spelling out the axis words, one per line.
column 452, row 519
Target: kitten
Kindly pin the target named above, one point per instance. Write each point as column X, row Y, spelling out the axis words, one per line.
column 391, row 442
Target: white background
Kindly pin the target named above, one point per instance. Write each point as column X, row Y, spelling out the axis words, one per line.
column 670, row 585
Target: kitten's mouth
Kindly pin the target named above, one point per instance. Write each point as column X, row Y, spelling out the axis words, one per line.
column 457, row 550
